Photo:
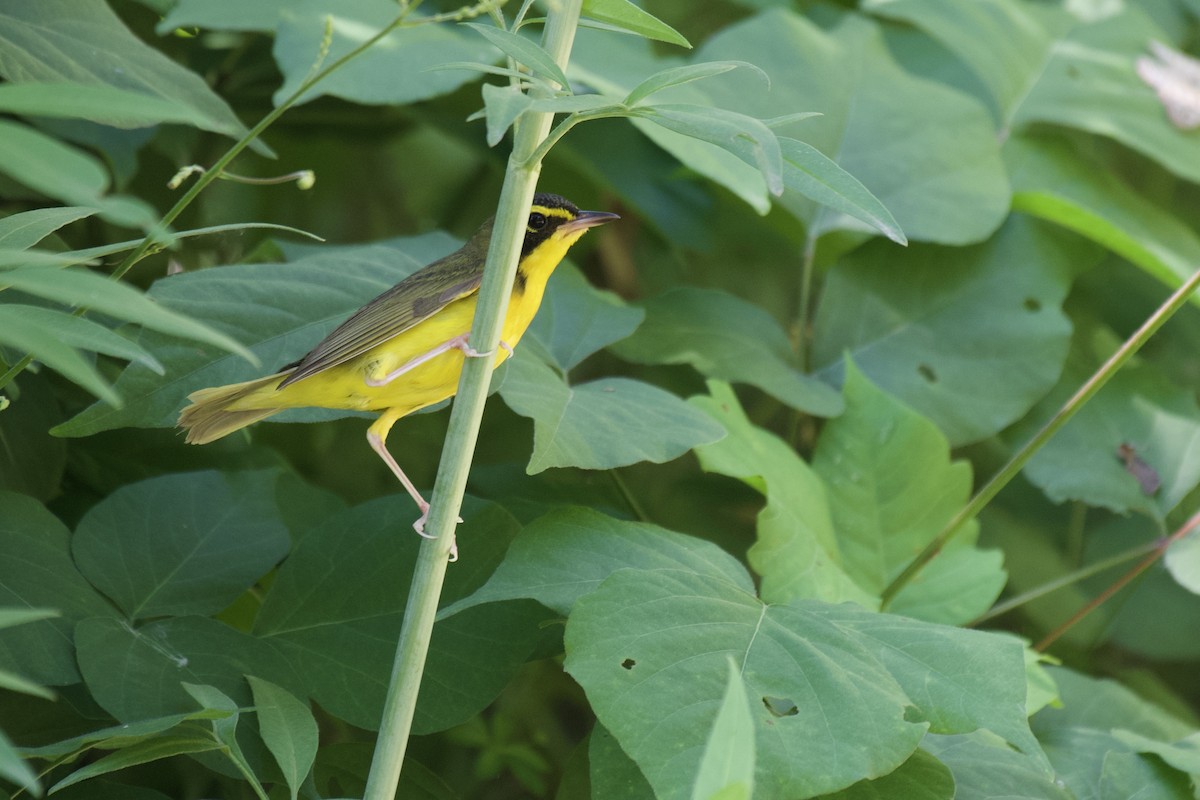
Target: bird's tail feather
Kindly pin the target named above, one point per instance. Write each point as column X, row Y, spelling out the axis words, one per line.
column 209, row 417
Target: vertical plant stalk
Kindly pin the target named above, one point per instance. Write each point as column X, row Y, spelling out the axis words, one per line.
column 1159, row 550
column 516, row 196
column 1015, row 464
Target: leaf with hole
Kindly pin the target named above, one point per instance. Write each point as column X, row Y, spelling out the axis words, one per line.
column 920, row 322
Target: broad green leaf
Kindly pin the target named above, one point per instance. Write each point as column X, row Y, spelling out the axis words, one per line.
column 224, row 15
column 1095, row 763
column 163, row 746
column 55, row 338
column 627, row 16
column 25, row 229
column 14, row 770
column 1183, row 561
column 613, row 773
column 1183, row 755
column 1018, row 41
column 813, row 174
column 36, row 571
column 746, row 137
column 522, row 50
column 65, row 173
column 727, row 766
column 565, row 554
column 1126, row 775
column 1046, row 65
column 922, row 777
column 186, row 543
column 959, row 680
column 841, row 694
column 279, row 310
column 656, row 682
column 728, row 339
column 87, row 289
column 336, row 605
column 917, row 321
column 393, row 71
column 576, row 319
column 1054, row 181
column 677, row 76
column 1088, row 88
column 796, row 551
column 1140, row 408
column 607, row 423
column 892, row 487
column 1103, row 704
column 83, row 41
column 986, row 768
column 99, row 103
column 503, row 105
column 138, row 673
column 288, row 729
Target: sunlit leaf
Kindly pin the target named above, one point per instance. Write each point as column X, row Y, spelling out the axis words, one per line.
column 624, row 14
column 796, row 551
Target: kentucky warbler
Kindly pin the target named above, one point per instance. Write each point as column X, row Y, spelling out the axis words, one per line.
column 404, row 350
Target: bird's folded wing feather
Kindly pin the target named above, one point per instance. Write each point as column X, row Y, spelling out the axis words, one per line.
column 415, row 299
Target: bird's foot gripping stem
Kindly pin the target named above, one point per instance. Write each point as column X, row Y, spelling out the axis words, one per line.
column 460, row 342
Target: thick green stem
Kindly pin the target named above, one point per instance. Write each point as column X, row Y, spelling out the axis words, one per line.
column 1022, row 456
column 507, row 233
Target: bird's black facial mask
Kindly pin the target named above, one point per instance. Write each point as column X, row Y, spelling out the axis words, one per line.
column 547, row 213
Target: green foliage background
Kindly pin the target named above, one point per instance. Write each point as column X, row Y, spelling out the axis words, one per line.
column 741, row 413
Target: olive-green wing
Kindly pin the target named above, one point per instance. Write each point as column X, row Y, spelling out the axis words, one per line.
column 415, row 299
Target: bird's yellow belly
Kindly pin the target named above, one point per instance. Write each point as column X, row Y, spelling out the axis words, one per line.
column 345, row 385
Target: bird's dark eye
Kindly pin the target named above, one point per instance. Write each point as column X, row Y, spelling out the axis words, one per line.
column 537, row 221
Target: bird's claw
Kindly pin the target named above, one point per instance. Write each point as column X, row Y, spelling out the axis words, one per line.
column 419, row 527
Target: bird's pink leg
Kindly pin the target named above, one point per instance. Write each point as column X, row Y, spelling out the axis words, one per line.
column 377, row 437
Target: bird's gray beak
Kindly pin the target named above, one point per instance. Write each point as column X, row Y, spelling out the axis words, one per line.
column 587, row 219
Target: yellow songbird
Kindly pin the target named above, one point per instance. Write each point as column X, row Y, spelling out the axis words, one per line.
column 404, row 350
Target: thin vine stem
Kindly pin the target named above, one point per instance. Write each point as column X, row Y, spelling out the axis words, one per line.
column 1075, row 576
column 1019, row 459
column 1159, row 549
